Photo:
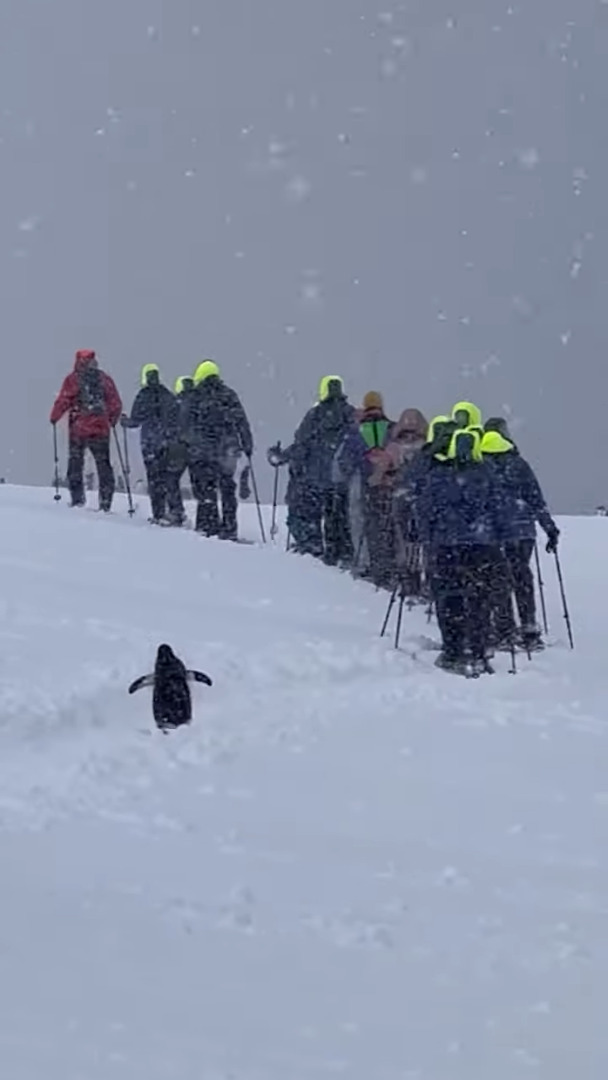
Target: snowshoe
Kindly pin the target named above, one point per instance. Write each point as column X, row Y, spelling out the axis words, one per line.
column 453, row 665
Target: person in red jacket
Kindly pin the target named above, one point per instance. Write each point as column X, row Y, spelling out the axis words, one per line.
column 93, row 403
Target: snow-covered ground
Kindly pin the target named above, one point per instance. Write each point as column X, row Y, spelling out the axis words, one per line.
column 351, row 865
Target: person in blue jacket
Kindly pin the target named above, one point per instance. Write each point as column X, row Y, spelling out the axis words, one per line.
column 369, row 506
column 457, row 511
column 155, row 413
column 317, row 499
column 178, row 455
column 217, row 432
column 522, row 506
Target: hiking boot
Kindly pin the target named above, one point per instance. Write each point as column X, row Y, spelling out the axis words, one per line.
column 531, row 639
column 456, row 665
column 227, row 532
column 480, row 666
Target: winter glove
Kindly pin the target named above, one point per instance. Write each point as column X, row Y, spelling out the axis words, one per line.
column 276, row 456
column 552, row 540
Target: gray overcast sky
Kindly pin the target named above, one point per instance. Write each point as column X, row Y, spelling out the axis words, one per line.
column 411, row 195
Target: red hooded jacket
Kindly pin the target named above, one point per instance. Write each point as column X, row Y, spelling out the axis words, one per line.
column 84, row 424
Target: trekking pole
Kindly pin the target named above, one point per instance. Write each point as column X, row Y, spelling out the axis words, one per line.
column 389, row 609
column 257, row 501
column 274, row 528
column 513, row 668
column 57, row 495
column 541, row 589
column 125, row 474
column 564, row 601
column 288, row 540
column 400, row 615
column 125, row 443
column 512, row 601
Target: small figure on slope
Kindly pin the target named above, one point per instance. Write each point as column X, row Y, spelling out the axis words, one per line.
column 317, row 498
column 171, row 699
column 93, row 404
column 522, row 506
column 458, row 513
column 216, row 431
column 156, row 412
column 369, row 507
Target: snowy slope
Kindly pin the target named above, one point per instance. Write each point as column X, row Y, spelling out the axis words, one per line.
column 352, row 865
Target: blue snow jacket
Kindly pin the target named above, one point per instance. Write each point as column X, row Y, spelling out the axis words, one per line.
column 457, row 505
column 322, row 431
column 155, row 411
column 522, row 503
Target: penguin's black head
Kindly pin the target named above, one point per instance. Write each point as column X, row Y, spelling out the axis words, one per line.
column 165, row 656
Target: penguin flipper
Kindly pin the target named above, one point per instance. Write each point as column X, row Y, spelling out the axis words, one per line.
column 199, row 676
column 144, row 680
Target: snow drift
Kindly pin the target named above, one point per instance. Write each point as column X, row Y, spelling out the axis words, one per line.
column 350, row 865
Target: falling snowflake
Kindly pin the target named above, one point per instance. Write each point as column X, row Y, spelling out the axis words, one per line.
column 389, row 68
column 486, row 365
column 298, row 189
column 529, row 158
column 418, row 175
column 311, row 294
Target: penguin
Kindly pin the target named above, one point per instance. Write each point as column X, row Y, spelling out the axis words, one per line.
column 171, row 700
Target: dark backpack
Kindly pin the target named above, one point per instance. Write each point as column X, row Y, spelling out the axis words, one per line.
column 92, row 398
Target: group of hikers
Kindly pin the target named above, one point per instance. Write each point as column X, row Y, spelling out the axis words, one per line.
column 446, row 510
column 200, row 426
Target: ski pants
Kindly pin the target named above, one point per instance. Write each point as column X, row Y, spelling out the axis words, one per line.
column 304, row 517
column 100, row 451
column 209, row 480
column 163, row 487
column 518, row 554
column 461, row 578
column 410, row 554
column 380, row 534
column 338, row 545
column 318, row 522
